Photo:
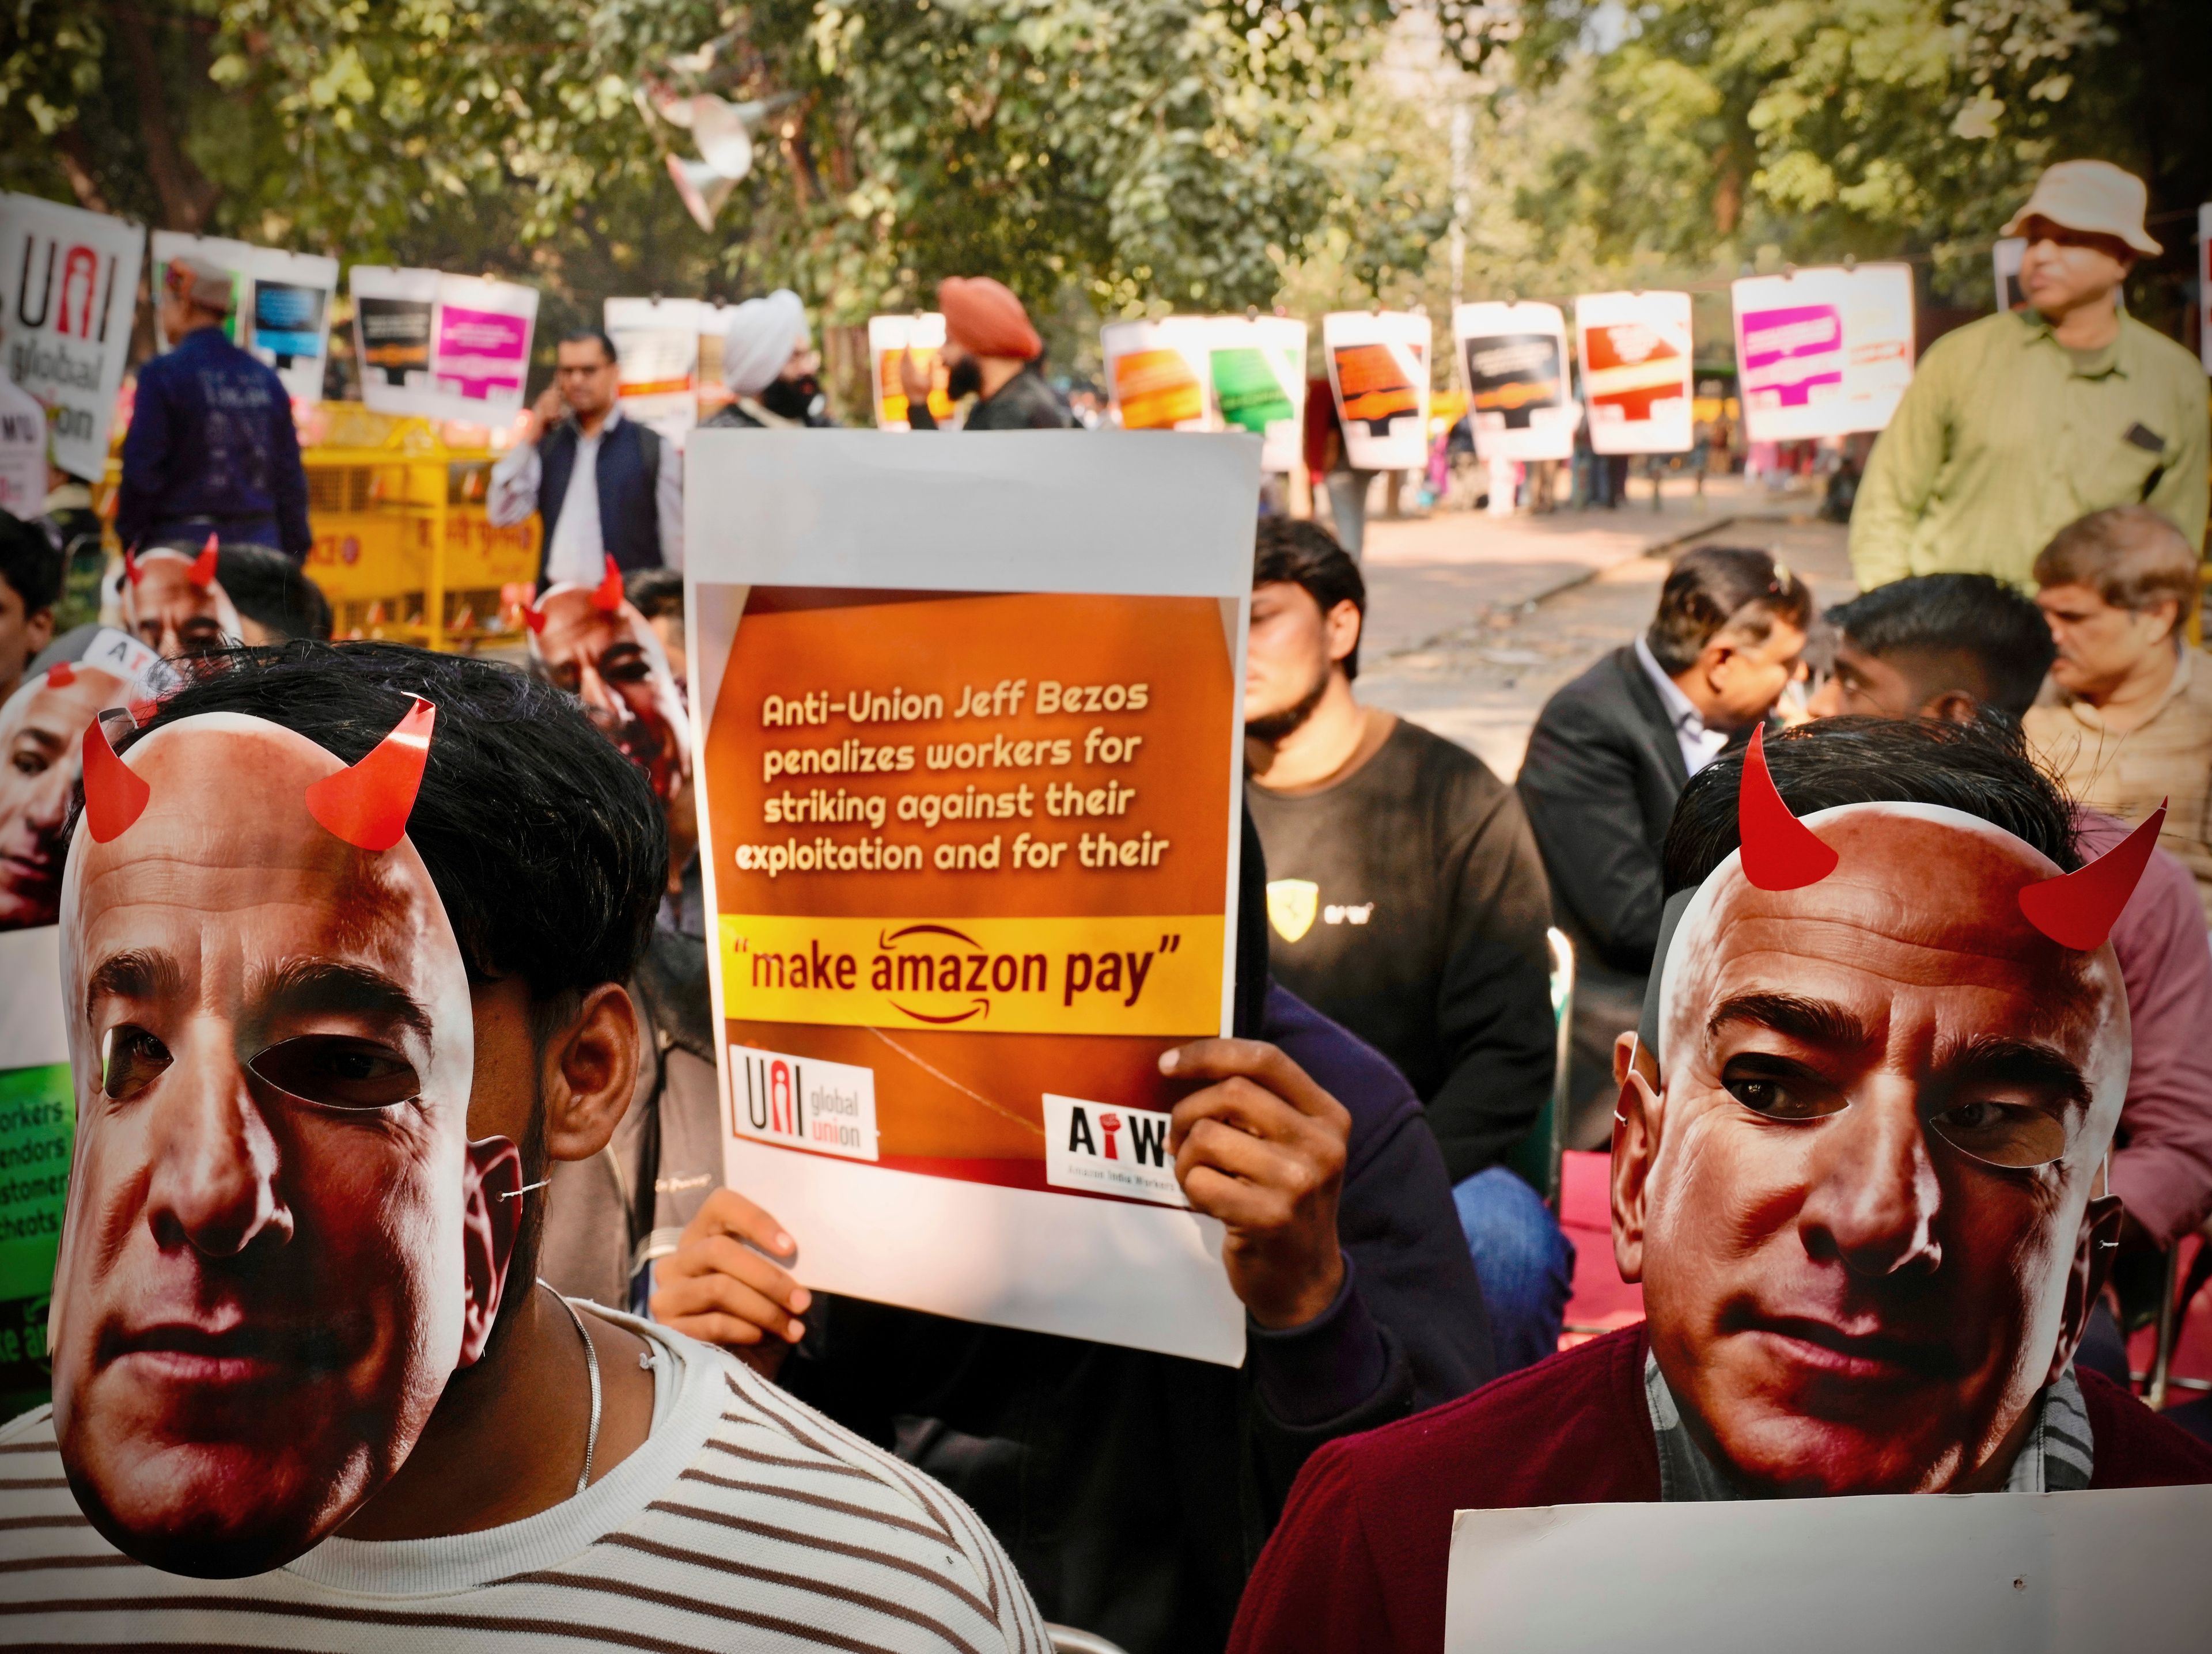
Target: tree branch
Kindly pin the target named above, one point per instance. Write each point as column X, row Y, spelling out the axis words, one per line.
column 186, row 195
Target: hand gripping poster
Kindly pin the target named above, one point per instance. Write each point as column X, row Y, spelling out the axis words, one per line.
column 1157, row 374
column 439, row 345
column 1823, row 353
column 68, row 290
column 970, row 823
column 1515, row 357
column 1378, row 368
column 1257, row 370
column 1635, row 352
column 281, row 303
column 657, row 361
column 889, row 336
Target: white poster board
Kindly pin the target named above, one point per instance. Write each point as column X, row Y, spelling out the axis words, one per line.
column 1513, row 358
column 916, row 617
column 889, row 337
column 280, row 303
column 1159, row 373
column 1378, row 371
column 1635, row 351
column 439, row 345
column 2061, row 1573
column 1822, row 353
column 2005, row 259
column 68, row 290
column 1256, row 380
column 656, row 362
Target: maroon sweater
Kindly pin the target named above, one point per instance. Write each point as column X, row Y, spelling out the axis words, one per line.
column 1358, row 1559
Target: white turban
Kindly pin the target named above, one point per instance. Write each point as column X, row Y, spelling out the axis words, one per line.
column 762, row 333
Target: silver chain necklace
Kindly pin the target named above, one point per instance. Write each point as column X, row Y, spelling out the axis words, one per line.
column 591, row 1365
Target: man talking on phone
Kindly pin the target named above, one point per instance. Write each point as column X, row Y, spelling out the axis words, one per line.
column 603, row 486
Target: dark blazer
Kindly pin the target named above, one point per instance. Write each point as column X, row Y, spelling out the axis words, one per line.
column 627, row 470
column 1599, row 785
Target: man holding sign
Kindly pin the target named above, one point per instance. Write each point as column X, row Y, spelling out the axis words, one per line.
column 1858, row 1167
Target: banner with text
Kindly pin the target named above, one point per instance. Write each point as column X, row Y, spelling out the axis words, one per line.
column 970, row 819
column 69, row 291
column 1635, row 354
column 1157, row 372
column 1378, row 370
column 1515, row 358
column 1256, row 370
column 1822, row 353
column 657, row 361
column 280, row 303
column 439, row 345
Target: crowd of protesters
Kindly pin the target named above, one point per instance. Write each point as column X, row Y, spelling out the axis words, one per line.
column 1403, row 916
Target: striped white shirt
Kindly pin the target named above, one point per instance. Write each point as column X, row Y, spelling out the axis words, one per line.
column 746, row 1521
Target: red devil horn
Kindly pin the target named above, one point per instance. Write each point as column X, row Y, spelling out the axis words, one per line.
column 368, row 804
column 2078, row 910
column 533, row 617
column 203, row 574
column 131, row 568
column 60, row 675
column 1780, row 852
column 609, row 596
column 115, row 795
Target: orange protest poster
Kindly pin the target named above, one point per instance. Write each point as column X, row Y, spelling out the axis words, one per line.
column 972, row 867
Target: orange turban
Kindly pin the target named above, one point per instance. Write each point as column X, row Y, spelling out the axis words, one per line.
column 981, row 316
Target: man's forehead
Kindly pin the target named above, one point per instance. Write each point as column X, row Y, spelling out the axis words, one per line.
column 60, row 714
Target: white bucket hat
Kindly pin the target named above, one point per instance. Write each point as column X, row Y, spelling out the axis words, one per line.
column 2092, row 196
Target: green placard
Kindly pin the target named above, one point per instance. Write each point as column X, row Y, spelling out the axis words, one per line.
column 1252, row 397
column 37, row 1130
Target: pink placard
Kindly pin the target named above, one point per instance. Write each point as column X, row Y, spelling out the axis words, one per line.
column 482, row 353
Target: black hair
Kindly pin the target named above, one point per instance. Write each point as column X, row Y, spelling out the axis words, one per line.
column 589, row 335
column 271, row 590
column 654, row 592
column 1998, row 641
column 29, row 563
column 1299, row 552
column 1716, row 587
column 1980, row 769
column 545, row 844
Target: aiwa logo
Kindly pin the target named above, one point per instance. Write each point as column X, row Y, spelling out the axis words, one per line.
column 1109, row 1151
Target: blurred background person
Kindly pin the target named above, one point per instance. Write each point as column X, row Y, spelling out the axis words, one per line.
column 991, row 353
column 30, row 581
column 769, row 364
column 275, row 601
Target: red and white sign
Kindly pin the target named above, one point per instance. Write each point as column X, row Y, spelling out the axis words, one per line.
column 1378, row 367
column 1635, row 351
column 802, row 1102
column 68, row 288
column 1104, row 1150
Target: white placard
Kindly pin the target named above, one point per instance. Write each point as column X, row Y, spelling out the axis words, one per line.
column 657, row 361
column 1513, row 361
column 1635, row 352
column 2060, row 1573
column 33, row 1031
column 69, row 289
column 280, row 303
column 2005, row 259
column 1105, row 517
column 1157, row 374
column 1256, row 381
column 889, row 336
column 1821, row 353
column 439, row 345
column 1378, row 371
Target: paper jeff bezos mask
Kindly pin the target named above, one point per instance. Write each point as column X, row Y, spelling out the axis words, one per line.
column 280, row 1243
column 590, row 641
column 170, row 600
column 1864, row 1200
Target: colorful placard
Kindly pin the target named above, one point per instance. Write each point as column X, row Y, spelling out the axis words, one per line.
column 441, row 346
column 1824, row 352
column 280, row 303
column 1635, row 355
column 889, row 337
column 1515, row 360
column 1157, row 374
column 657, row 361
column 1256, row 373
column 68, row 290
column 1378, row 371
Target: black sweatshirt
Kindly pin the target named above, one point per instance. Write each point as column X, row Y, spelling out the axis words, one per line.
column 1409, row 902
column 1133, row 1490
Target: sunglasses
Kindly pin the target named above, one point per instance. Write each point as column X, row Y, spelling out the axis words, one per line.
column 2002, row 1132
column 325, row 1071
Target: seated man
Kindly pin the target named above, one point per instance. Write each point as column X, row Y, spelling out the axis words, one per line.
column 1951, row 646
column 1133, row 1488
column 2126, row 721
column 1612, row 751
column 1857, row 1167
column 1406, row 902
column 329, row 1022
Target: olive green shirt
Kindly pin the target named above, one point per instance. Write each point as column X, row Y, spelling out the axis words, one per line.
column 2005, row 438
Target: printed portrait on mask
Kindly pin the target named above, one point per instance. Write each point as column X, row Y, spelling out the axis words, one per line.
column 280, row 1243
column 169, row 599
column 590, row 641
column 1864, row 1195
column 41, row 727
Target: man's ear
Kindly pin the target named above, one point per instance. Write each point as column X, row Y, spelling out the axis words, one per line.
column 1952, row 707
column 2086, row 1274
column 1340, row 630
column 590, row 1071
column 1636, row 1122
column 38, row 631
column 491, row 1219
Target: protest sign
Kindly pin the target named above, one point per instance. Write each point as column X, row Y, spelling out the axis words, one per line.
column 280, row 303
column 1515, row 357
column 2005, row 259
column 656, row 362
column 23, row 479
column 1378, row 371
column 1635, row 352
column 888, row 337
column 439, row 345
column 1256, row 369
column 1157, row 374
column 968, row 819
column 36, row 1113
column 1823, row 352
column 69, row 289
column 2074, row 1573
